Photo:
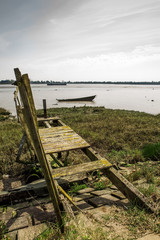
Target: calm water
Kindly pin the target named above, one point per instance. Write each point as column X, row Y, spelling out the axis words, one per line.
column 138, row 98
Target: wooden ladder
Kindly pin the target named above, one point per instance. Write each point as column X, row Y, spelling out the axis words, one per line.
column 62, row 138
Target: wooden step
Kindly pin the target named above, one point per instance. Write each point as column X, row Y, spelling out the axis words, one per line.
column 41, row 119
column 59, row 139
column 81, row 168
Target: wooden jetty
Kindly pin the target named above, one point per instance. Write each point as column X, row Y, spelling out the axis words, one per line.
column 50, row 142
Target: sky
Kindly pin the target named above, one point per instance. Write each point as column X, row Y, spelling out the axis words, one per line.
column 80, row 40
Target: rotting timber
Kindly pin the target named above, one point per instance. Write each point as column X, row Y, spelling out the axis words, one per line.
column 49, row 141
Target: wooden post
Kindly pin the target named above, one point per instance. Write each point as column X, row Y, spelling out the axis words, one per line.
column 15, row 100
column 30, row 124
column 45, row 108
column 23, row 140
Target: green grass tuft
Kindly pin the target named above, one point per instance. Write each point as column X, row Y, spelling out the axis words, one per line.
column 76, row 187
column 151, row 151
column 100, row 185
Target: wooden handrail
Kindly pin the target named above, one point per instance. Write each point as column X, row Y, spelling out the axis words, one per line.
column 28, row 118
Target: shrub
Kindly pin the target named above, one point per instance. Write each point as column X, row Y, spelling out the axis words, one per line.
column 151, row 151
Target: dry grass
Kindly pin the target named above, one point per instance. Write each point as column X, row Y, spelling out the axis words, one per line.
column 112, row 131
column 117, row 135
column 11, row 134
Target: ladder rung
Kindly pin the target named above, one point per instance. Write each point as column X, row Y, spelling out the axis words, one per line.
column 81, row 168
column 48, row 119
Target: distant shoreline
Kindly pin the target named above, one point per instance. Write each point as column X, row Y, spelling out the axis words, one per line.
column 10, row 82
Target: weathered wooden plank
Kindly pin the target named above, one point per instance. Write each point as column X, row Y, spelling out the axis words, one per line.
column 81, row 168
column 31, row 126
column 57, row 161
column 59, row 139
column 60, row 123
column 52, row 149
column 66, row 135
column 47, row 124
column 55, row 130
column 128, row 189
column 60, row 128
column 28, row 91
column 16, row 100
column 122, row 183
column 69, row 144
column 93, row 155
column 50, row 135
column 41, row 119
column 37, row 188
column 23, row 140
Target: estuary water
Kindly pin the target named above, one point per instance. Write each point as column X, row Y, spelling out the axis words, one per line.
column 143, row 98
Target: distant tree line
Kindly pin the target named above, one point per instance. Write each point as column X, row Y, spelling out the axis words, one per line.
column 86, row 82
column 6, row 81
column 110, row 82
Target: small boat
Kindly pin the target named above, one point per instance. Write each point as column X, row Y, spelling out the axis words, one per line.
column 81, row 99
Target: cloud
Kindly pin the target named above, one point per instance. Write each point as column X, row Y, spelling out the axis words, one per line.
column 4, row 44
column 138, row 55
column 53, row 21
column 81, row 39
column 137, row 65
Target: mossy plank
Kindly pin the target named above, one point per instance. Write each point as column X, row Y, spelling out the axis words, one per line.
column 128, row 189
column 59, row 139
column 46, row 123
column 56, row 129
column 81, row 168
column 41, row 119
column 50, row 148
column 60, row 123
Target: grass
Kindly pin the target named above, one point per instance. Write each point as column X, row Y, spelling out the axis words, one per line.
column 127, row 156
column 147, row 171
column 123, row 133
column 81, row 228
column 50, row 233
column 11, row 134
column 100, row 185
column 76, row 187
column 4, row 114
column 116, row 134
column 149, row 191
column 140, row 221
column 3, row 231
column 151, row 151
column 123, row 137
